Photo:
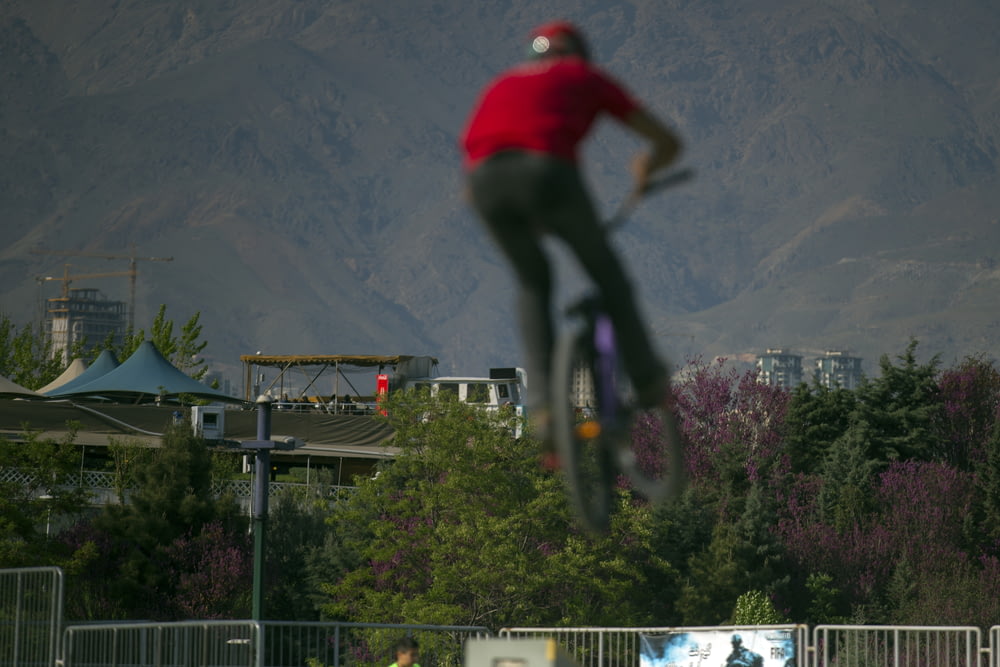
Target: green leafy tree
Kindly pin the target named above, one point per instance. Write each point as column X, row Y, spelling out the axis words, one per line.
column 463, row 527
column 26, row 356
column 897, row 413
column 817, row 416
column 127, row 458
column 181, row 350
column 296, row 535
column 143, row 554
column 742, row 555
column 987, row 507
column 756, row 608
column 39, row 489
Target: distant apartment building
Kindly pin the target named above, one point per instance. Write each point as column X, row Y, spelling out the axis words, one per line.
column 83, row 314
column 838, row 369
column 780, row 368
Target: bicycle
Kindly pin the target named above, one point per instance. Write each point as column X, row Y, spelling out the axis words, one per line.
column 587, row 379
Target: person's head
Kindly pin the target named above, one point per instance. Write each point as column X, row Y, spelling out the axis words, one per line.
column 557, row 39
column 737, row 641
column 407, row 652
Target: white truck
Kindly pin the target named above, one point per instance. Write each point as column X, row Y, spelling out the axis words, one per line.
column 505, row 387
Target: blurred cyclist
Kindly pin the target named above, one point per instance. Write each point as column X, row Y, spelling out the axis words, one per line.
column 521, row 158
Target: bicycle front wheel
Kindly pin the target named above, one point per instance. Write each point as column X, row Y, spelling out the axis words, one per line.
column 584, row 452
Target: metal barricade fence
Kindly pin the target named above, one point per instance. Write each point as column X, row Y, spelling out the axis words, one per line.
column 897, row 646
column 30, row 615
column 622, row 647
column 259, row 644
column 180, row 644
column 361, row 644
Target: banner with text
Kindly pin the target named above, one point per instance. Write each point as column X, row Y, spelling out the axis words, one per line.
column 719, row 648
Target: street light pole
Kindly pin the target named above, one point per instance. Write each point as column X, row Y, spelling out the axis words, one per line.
column 262, row 447
column 263, row 472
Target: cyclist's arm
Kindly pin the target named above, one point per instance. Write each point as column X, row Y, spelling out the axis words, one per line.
column 665, row 149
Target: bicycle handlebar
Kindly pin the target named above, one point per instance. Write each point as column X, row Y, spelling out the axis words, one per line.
column 668, row 181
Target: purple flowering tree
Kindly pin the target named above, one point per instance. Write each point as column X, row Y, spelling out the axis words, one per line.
column 970, row 394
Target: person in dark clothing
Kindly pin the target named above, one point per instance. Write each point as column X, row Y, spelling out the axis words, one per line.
column 521, row 159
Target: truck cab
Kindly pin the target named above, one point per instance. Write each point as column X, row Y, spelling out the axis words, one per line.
column 505, row 387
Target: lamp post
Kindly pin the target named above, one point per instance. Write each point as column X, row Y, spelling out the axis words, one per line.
column 48, row 513
column 262, row 447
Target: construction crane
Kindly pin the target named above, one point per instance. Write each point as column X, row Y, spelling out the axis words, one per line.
column 133, row 271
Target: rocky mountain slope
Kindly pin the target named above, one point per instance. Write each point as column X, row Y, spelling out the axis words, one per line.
column 298, row 160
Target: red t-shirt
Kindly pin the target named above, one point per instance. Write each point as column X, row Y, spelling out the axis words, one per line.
column 546, row 106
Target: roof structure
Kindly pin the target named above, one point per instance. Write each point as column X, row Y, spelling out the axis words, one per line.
column 10, row 388
column 73, row 371
column 145, row 376
column 404, row 364
column 360, row 360
column 326, row 436
column 105, row 363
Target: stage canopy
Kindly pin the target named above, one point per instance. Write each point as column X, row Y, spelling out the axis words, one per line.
column 144, row 376
column 105, row 363
column 12, row 389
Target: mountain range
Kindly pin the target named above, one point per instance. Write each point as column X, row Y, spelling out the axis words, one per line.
column 298, row 161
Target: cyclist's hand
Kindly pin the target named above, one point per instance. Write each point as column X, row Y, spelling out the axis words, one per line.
column 641, row 173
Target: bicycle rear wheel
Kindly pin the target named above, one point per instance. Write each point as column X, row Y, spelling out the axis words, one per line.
column 584, row 453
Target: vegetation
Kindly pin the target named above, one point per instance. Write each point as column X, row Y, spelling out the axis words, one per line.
column 27, row 355
column 876, row 505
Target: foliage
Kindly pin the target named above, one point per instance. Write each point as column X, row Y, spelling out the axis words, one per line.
column 181, row 350
column 733, row 426
column 896, row 413
column 876, row 505
column 817, row 416
column 40, row 487
column 26, row 356
column 465, row 528
column 296, row 535
column 128, row 457
column 970, row 397
column 210, row 570
column 145, row 559
column 756, row 608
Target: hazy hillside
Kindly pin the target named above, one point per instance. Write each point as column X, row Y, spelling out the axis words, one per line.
column 298, row 161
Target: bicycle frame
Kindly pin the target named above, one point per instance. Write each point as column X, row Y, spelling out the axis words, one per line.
column 594, row 343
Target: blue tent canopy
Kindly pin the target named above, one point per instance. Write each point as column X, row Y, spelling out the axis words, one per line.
column 105, row 363
column 143, row 376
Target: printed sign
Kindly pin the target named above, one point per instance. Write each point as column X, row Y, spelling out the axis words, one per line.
column 719, row 648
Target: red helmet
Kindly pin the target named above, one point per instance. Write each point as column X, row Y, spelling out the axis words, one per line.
column 558, row 38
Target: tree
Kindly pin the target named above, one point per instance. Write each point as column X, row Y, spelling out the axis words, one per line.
column 817, row 416
column 39, row 488
column 733, row 425
column 756, row 608
column 970, row 397
column 464, row 527
column 145, row 557
column 899, row 410
column 182, row 351
column 294, row 550
column 26, row 356
column 744, row 555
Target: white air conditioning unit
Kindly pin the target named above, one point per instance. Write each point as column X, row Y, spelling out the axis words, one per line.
column 209, row 421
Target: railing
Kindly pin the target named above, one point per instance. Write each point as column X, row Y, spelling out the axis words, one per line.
column 831, row 646
column 900, row 646
column 30, row 615
column 259, row 644
column 32, row 633
column 203, row 643
column 104, row 486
